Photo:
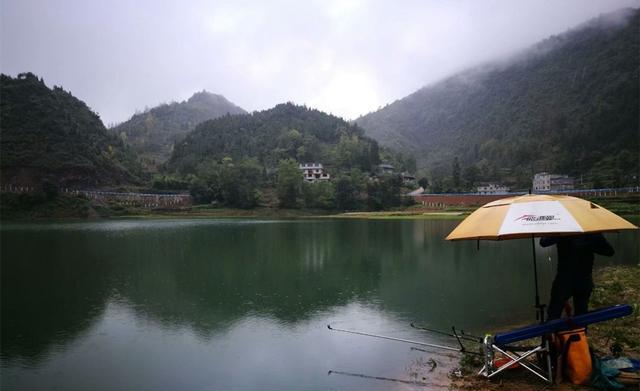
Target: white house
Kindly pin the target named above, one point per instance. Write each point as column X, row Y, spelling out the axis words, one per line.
column 493, row 188
column 312, row 172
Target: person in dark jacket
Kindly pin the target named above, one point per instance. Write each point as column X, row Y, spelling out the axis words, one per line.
column 575, row 265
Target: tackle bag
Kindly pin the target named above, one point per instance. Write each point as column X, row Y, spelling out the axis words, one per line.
column 575, row 356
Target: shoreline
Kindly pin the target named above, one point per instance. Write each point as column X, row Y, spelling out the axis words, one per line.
column 64, row 207
column 263, row 213
column 286, row 215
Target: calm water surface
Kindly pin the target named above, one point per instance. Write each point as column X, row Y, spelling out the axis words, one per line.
column 244, row 304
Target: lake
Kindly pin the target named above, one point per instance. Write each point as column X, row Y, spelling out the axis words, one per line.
column 199, row 304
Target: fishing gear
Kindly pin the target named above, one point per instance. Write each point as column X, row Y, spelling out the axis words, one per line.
column 458, row 336
column 471, row 335
column 460, row 350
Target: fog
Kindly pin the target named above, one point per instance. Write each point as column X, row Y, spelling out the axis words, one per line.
column 346, row 57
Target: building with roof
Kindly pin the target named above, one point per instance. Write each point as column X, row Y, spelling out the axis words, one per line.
column 408, row 178
column 386, row 169
column 312, row 172
column 544, row 181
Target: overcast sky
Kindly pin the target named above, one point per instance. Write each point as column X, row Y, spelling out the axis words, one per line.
column 347, row 57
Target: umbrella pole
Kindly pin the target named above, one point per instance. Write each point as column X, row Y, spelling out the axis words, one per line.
column 539, row 307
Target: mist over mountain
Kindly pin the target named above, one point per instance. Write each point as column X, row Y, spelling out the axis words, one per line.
column 50, row 135
column 152, row 133
column 569, row 105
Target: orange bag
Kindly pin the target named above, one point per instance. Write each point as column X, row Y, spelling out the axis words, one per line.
column 575, row 355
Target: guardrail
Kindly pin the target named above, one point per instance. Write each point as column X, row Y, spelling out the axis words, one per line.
column 443, row 200
column 144, row 200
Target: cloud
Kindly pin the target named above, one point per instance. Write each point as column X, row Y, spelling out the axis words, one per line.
column 347, row 57
column 223, row 22
column 347, row 92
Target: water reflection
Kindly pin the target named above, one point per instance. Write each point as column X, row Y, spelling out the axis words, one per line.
column 207, row 289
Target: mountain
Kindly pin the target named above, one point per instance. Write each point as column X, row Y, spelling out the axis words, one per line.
column 283, row 132
column 153, row 133
column 50, row 135
column 567, row 105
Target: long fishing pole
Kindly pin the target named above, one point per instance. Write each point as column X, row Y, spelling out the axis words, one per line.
column 390, row 379
column 397, row 339
column 462, row 335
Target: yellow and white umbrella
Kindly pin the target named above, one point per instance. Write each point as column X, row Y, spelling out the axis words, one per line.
column 530, row 216
column 537, row 215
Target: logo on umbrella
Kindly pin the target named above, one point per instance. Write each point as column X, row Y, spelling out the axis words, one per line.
column 527, row 217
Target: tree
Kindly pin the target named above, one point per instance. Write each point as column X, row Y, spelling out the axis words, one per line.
column 470, row 176
column 374, row 153
column 229, row 183
column 50, row 190
column 169, row 182
column 423, row 182
column 200, row 192
column 241, row 182
column 289, row 183
column 437, row 185
column 374, row 195
column 409, row 163
column 347, row 196
column 347, row 151
column 384, row 193
column 455, row 173
column 318, row 195
column 391, row 187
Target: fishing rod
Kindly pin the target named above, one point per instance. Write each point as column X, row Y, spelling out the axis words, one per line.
column 390, row 379
column 458, row 337
column 462, row 335
column 460, row 350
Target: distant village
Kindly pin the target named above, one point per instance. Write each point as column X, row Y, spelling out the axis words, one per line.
column 542, row 181
column 312, row 172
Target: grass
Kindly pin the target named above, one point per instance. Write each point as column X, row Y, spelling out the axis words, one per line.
column 402, row 215
column 616, row 285
column 628, row 205
column 204, row 212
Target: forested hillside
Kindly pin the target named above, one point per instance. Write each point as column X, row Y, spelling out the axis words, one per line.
column 48, row 135
column 286, row 131
column 568, row 105
column 152, row 133
column 232, row 159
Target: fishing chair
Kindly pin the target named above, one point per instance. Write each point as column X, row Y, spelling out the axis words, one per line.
column 502, row 343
